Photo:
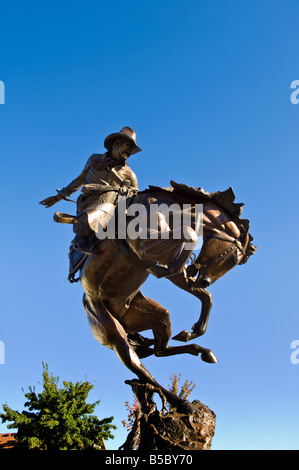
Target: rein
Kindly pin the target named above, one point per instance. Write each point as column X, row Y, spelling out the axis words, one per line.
column 236, row 244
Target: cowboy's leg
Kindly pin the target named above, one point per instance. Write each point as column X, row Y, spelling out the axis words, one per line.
column 83, row 232
column 94, row 212
column 91, row 225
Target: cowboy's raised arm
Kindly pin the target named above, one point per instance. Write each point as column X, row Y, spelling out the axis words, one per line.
column 69, row 189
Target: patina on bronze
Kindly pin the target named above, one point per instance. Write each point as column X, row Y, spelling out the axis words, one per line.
column 113, row 271
column 168, row 431
column 103, row 177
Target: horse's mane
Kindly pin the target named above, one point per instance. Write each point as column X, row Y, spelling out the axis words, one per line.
column 223, row 199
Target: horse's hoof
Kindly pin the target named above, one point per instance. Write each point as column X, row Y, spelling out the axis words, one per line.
column 210, row 357
column 182, row 336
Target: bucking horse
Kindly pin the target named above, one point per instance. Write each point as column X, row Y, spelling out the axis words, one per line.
column 113, row 275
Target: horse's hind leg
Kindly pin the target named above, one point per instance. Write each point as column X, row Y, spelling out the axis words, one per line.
column 147, row 314
column 144, row 314
column 109, row 332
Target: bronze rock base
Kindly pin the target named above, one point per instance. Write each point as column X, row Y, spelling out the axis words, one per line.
column 173, row 431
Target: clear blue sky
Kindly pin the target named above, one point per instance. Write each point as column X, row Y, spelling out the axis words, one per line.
column 206, row 86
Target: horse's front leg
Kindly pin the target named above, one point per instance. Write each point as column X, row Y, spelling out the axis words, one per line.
column 174, row 268
column 199, row 328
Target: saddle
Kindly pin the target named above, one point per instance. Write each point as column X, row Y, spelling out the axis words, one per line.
column 77, row 256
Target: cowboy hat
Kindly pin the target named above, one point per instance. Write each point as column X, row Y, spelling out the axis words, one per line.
column 126, row 133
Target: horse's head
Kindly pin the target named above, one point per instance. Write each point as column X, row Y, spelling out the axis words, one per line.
column 226, row 243
column 217, row 256
column 226, row 238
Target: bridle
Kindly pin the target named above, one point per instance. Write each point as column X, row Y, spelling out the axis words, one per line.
column 235, row 245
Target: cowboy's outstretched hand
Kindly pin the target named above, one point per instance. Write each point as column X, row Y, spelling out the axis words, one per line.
column 50, row 201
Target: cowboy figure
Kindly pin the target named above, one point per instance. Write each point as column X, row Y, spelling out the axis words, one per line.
column 102, row 179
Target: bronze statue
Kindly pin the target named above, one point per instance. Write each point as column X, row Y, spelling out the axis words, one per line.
column 113, row 270
column 103, row 176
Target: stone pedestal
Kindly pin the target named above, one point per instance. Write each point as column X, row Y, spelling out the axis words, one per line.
column 168, row 430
